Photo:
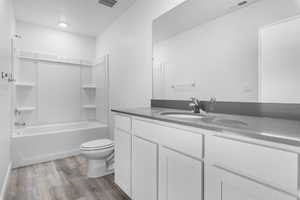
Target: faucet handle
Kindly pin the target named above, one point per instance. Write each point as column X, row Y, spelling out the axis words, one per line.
column 195, row 106
column 211, row 104
column 192, row 104
column 195, row 101
column 213, row 100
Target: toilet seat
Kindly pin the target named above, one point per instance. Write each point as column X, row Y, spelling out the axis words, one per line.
column 97, row 145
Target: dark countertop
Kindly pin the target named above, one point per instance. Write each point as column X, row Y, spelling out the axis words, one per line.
column 269, row 129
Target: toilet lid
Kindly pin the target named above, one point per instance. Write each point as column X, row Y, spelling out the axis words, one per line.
column 97, row 144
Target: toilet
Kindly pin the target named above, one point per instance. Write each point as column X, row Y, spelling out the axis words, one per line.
column 99, row 153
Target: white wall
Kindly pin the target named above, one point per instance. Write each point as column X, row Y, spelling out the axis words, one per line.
column 220, row 56
column 128, row 41
column 49, row 41
column 6, row 33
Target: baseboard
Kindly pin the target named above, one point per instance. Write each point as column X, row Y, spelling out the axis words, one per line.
column 44, row 158
column 5, row 183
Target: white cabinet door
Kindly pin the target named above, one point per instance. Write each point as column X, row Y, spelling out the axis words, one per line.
column 223, row 185
column 123, row 160
column 144, row 169
column 180, row 177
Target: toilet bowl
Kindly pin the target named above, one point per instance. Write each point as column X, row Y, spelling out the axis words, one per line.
column 97, row 153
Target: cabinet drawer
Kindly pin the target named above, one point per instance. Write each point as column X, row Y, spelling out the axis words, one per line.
column 187, row 142
column 123, row 123
column 264, row 163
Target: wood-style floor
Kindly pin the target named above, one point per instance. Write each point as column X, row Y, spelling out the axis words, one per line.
column 61, row 180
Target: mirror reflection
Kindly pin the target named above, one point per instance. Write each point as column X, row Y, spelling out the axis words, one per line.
column 246, row 51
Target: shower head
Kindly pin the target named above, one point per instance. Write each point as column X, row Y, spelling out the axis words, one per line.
column 109, row 3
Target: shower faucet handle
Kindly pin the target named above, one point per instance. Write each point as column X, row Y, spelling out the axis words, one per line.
column 7, row 76
column 195, row 101
column 4, row 75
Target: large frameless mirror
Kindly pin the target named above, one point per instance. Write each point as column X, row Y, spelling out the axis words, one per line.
column 234, row 50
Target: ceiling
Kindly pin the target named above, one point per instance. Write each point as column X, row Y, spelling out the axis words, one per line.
column 192, row 13
column 85, row 17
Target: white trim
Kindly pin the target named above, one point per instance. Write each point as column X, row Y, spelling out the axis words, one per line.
column 280, row 22
column 106, row 60
column 46, row 158
column 107, row 88
column 5, row 183
column 260, row 57
column 260, row 66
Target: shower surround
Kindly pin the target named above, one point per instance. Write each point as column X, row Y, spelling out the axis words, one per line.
column 59, row 103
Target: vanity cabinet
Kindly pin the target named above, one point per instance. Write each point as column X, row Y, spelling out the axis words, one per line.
column 167, row 161
column 180, row 176
column 123, row 153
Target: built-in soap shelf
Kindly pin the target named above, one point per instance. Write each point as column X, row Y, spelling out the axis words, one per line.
column 25, row 109
column 90, row 86
column 24, row 84
column 53, row 58
column 89, row 106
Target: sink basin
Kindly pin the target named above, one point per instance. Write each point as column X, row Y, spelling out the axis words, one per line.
column 231, row 122
column 183, row 115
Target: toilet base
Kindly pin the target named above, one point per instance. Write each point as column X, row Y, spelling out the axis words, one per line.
column 97, row 168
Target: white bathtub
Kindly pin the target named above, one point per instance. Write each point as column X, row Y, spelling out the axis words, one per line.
column 37, row 144
column 56, row 128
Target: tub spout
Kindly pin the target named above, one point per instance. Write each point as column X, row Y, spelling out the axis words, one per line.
column 20, row 124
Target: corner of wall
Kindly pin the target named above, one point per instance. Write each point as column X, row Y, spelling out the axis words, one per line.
column 6, row 182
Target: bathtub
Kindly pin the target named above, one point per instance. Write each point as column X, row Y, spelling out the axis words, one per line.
column 36, row 144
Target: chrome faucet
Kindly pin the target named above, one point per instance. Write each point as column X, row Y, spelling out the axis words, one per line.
column 205, row 107
column 195, row 105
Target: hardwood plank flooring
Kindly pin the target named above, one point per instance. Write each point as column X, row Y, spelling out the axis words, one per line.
column 61, row 180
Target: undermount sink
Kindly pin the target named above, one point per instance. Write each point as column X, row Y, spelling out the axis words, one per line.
column 231, row 122
column 183, row 115
column 204, row 118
